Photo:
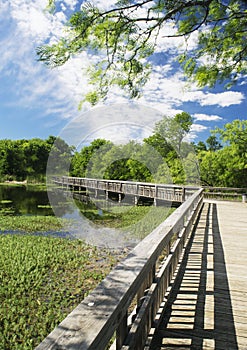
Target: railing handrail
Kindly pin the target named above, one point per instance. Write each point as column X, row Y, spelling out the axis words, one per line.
column 92, row 323
column 233, row 189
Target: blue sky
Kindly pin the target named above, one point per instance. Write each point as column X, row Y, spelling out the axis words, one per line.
column 37, row 102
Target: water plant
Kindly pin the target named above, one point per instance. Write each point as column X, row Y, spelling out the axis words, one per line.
column 41, row 280
column 29, row 224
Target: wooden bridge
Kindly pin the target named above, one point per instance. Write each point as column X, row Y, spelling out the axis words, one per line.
column 118, row 190
column 182, row 287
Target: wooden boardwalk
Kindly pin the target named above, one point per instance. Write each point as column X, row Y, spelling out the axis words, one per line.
column 207, row 308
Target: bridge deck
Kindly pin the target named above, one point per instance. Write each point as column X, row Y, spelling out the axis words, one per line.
column 207, row 307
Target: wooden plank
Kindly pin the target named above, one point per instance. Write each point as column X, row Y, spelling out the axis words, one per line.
column 207, row 308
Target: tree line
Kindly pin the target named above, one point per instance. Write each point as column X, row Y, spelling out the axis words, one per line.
column 27, row 159
column 163, row 157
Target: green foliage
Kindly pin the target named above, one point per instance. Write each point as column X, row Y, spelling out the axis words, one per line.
column 27, row 159
column 80, row 162
column 226, row 166
column 223, row 44
column 162, row 157
column 213, row 143
column 42, row 279
column 173, row 130
column 125, row 36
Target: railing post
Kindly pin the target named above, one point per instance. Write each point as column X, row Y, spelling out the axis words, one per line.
column 121, row 332
column 183, row 194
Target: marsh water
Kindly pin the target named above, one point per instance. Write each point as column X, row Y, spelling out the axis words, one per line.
column 31, row 200
column 24, row 200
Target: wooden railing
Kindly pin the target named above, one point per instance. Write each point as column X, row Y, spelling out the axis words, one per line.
column 225, row 193
column 162, row 192
column 141, row 279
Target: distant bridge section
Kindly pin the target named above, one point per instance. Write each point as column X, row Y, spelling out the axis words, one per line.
column 117, row 189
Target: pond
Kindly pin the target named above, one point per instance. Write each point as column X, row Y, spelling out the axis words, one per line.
column 22, row 200
column 111, row 226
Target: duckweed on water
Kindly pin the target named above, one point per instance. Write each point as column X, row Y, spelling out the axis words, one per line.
column 41, row 280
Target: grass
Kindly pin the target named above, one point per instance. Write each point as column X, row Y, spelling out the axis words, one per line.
column 41, row 280
column 30, row 224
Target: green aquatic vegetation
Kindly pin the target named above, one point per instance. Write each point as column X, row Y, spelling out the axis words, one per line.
column 139, row 221
column 7, row 211
column 42, row 279
column 44, row 206
column 126, row 217
column 31, row 224
column 5, row 201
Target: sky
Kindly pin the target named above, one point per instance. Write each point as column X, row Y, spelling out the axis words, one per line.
column 36, row 101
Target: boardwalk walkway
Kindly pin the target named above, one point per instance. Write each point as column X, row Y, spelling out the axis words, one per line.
column 207, row 308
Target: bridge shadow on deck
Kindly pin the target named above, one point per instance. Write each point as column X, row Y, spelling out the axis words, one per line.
column 198, row 314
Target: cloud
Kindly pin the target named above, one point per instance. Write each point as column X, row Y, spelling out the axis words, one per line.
column 58, row 91
column 33, row 85
column 117, row 122
column 206, row 117
column 195, row 129
column 222, row 99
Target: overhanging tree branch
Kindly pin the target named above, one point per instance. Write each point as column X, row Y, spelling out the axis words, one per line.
column 128, row 37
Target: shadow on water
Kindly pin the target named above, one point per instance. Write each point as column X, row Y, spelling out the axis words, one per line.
column 198, row 314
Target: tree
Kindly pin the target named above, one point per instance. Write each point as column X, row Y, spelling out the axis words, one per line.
column 200, row 146
column 174, row 130
column 127, row 35
column 179, row 161
column 36, row 153
column 234, row 133
column 81, row 163
column 227, row 165
column 213, row 143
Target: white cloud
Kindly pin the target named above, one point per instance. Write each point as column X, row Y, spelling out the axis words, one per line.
column 222, row 99
column 195, row 129
column 206, row 117
column 59, row 91
column 166, row 40
column 70, row 3
column 198, row 128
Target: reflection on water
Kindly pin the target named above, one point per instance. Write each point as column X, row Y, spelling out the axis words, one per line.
column 65, row 205
column 22, row 200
